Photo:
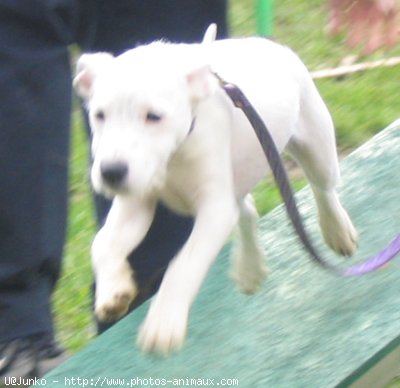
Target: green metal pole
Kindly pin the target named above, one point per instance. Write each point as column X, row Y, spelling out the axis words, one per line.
column 264, row 16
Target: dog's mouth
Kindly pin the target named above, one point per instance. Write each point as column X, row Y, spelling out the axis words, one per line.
column 110, row 191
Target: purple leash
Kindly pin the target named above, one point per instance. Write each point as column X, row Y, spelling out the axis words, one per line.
column 240, row 101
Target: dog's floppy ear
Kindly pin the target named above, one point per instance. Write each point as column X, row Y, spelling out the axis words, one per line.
column 201, row 82
column 87, row 67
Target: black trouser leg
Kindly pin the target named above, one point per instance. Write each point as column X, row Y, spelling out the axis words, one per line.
column 35, row 95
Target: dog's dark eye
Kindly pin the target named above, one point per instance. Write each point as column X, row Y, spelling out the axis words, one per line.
column 153, row 117
column 100, row 115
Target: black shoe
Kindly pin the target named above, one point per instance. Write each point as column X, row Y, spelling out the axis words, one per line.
column 30, row 357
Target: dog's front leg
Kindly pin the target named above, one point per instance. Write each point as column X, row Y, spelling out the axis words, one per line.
column 126, row 225
column 164, row 328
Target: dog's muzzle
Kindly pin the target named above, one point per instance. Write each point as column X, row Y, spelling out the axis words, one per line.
column 114, row 174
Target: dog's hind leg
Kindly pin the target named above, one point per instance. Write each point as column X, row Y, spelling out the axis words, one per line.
column 248, row 262
column 313, row 146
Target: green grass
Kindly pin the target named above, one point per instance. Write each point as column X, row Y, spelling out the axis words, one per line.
column 361, row 104
column 72, row 299
column 394, row 384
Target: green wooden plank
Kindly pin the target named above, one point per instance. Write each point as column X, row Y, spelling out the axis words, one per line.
column 306, row 328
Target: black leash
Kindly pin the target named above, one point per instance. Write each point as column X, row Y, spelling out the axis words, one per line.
column 274, row 159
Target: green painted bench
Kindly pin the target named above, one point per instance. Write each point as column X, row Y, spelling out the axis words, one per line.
column 306, row 328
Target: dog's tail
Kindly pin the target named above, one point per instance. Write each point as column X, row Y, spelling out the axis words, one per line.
column 210, row 34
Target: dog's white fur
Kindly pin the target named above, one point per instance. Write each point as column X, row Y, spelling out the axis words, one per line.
column 142, row 105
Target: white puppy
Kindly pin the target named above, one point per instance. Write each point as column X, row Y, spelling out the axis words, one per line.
column 163, row 130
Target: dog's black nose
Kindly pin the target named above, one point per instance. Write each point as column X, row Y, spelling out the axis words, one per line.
column 114, row 173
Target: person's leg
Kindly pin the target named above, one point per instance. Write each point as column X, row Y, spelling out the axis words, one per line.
column 123, row 25
column 35, row 102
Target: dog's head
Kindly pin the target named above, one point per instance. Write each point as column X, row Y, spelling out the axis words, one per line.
column 141, row 107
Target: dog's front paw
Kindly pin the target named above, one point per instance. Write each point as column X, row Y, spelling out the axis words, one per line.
column 113, row 302
column 163, row 331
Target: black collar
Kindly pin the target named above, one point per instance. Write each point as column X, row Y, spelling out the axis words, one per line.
column 192, row 126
